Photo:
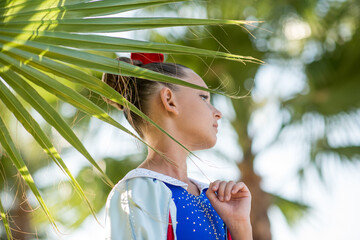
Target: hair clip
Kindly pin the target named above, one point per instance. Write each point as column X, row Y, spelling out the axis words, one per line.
column 146, row 58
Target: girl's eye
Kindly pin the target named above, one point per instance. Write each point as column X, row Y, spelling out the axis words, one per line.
column 204, row 97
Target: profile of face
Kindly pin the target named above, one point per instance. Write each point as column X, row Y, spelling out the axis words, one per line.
column 196, row 118
column 184, row 112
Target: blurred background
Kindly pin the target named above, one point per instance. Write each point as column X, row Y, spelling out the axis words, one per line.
column 294, row 138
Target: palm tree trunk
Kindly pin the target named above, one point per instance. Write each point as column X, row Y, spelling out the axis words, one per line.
column 20, row 219
column 260, row 200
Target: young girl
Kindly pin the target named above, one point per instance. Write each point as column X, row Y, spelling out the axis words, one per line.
column 157, row 200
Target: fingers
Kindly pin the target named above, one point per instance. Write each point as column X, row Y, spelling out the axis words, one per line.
column 215, row 185
column 226, row 189
column 238, row 186
column 210, row 193
column 221, row 190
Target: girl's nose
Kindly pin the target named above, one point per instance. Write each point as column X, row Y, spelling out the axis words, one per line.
column 217, row 114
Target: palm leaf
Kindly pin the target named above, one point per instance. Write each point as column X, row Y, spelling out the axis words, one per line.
column 347, row 153
column 95, row 25
column 292, row 210
column 92, row 61
column 30, row 38
column 40, row 10
column 67, row 94
column 14, row 105
column 115, row 44
column 15, row 157
column 48, row 113
column 6, row 223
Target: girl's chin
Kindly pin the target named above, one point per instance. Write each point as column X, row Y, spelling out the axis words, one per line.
column 210, row 142
column 205, row 143
column 212, row 145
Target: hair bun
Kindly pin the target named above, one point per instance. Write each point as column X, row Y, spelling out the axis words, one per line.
column 121, row 84
column 113, row 81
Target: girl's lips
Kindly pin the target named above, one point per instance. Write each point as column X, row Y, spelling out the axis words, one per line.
column 216, row 127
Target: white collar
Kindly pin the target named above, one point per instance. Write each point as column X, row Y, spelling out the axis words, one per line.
column 143, row 172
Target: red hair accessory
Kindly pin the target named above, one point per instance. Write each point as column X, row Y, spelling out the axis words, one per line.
column 146, row 58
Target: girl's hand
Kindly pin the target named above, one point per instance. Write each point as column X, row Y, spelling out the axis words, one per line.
column 232, row 201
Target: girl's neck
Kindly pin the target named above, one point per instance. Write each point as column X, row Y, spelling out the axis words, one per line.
column 179, row 172
column 176, row 169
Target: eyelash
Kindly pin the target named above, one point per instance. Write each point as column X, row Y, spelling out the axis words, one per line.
column 205, row 96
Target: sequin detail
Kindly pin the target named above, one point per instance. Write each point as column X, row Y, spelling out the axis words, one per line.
column 196, row 218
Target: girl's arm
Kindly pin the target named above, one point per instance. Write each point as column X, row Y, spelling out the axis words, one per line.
column 232, row 201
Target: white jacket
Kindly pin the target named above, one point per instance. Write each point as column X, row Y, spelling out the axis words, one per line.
column 138, row 206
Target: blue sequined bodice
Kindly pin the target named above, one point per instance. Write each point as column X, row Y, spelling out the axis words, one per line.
column 196, row 218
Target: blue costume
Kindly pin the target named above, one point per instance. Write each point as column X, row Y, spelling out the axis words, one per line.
column 196, row 218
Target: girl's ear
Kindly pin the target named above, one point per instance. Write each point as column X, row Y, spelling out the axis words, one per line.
column 168, row 100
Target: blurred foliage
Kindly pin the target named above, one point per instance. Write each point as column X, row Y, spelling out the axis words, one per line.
column 321, row 37
column 292, row 210
column 50, row 50
column 67, row 201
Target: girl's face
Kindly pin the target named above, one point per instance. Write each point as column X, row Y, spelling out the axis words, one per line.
column 197, row 118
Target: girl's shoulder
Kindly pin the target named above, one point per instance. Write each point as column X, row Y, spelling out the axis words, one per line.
column 136, row 183
column 147, row 174
column 144, row 181
column 134, row 202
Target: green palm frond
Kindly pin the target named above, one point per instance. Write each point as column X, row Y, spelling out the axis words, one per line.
column 50, row 45
column 116, row 44
column 292, row 210
column 74, row 9
column 333, row 81
column 6, row 223
column 9, row 146
column 115, row 169
column 96, row 25
column 345, row 153
column 348, row 153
